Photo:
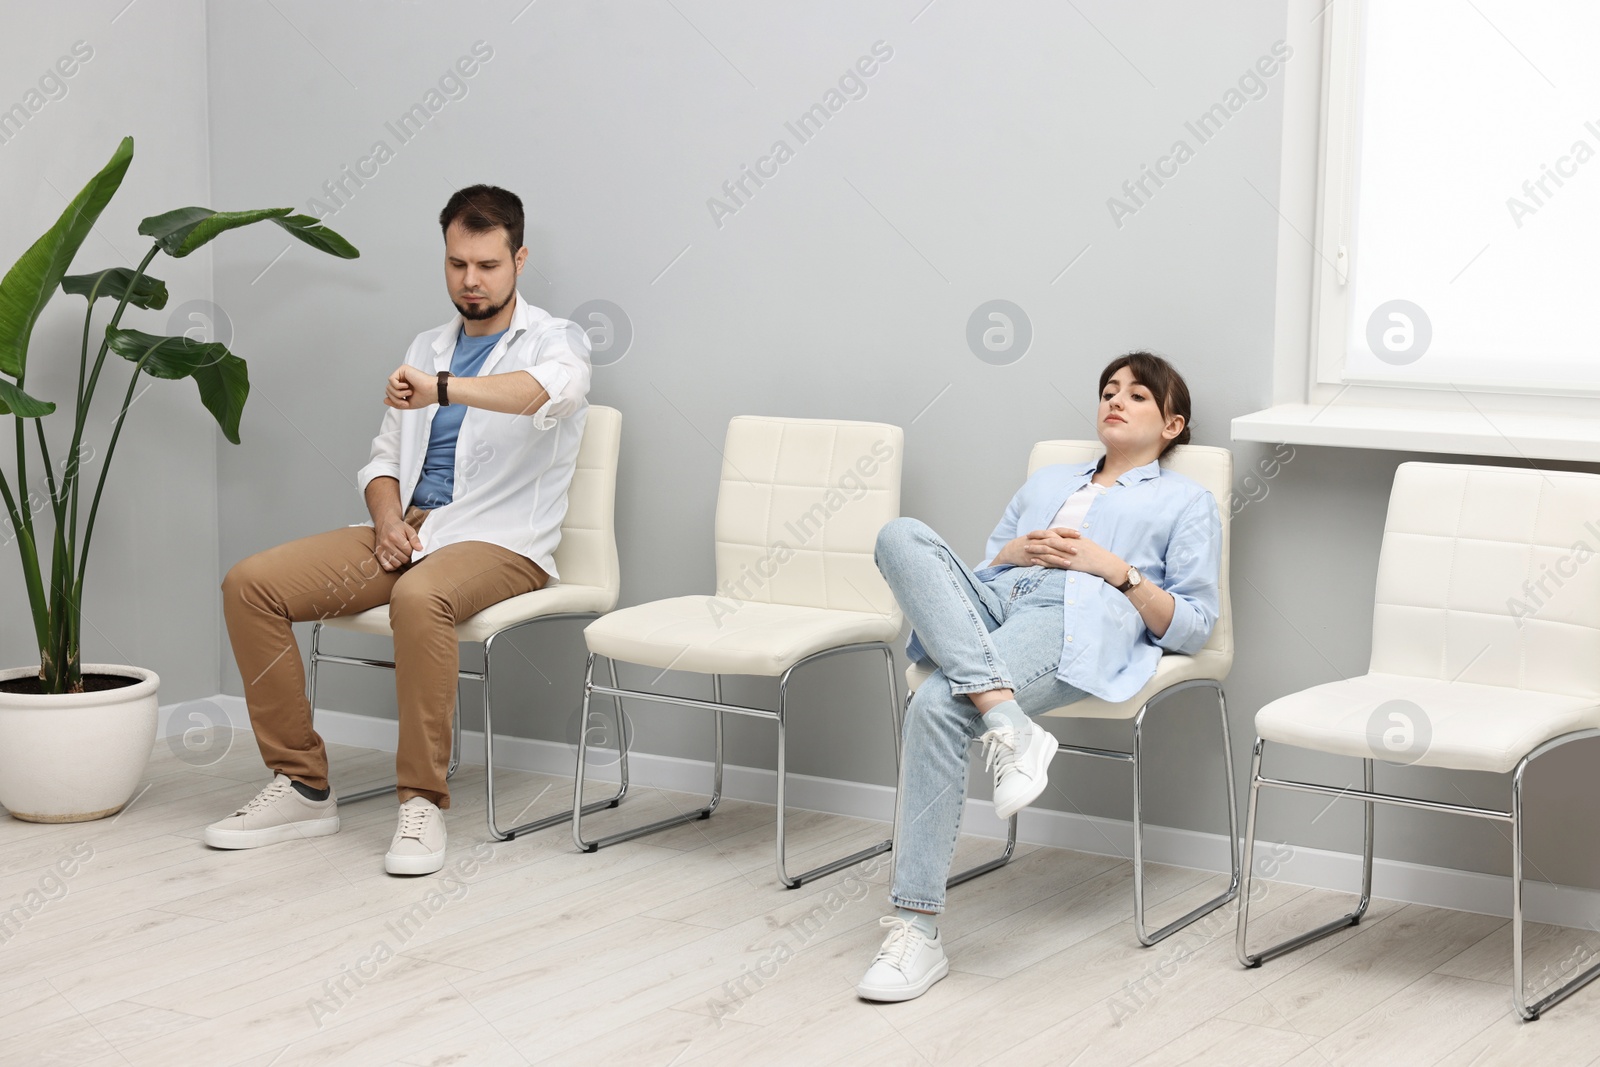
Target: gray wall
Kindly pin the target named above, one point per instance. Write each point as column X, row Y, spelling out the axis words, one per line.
column 150, row 595
column 976, row 167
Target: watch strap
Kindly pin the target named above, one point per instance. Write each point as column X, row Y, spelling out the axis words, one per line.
column 444, row 388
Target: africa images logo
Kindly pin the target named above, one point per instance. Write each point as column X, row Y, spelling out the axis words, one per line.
column 1399, row 732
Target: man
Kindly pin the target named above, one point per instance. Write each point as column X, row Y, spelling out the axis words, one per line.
column 467, row 487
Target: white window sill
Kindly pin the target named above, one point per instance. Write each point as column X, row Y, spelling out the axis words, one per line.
column 1517, row 435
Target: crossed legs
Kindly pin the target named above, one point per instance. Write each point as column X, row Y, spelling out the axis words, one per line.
column 993, row 642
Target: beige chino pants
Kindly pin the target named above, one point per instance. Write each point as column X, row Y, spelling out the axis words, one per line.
column 337, row 573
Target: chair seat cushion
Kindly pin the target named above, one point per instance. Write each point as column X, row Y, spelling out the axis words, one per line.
column 714, row 635
column 554, row 600
column 1170, row 670
column 1424, row 721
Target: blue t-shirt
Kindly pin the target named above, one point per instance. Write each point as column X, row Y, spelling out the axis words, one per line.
column 436, row 487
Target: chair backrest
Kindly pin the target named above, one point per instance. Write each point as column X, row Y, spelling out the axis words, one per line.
column 799, row 509
column 1209, row 465
column 1488, row 575
column 587, row 554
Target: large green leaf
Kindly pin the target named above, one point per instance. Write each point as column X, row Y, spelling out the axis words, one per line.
column 318, row 236
column 113, row 282
column 164, row 357
column 174, row 226
column 14, row 401
column 188, row 228
column 224, row 387
column 31, row 281
column 182, row 231
column 223, row 378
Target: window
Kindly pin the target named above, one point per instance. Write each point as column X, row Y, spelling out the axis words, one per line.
column 1463, row 202
column 1440, row 200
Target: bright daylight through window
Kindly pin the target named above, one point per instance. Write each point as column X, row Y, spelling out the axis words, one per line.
column 1474, row 199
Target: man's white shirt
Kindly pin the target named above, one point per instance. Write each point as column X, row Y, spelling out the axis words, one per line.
column 511, row 471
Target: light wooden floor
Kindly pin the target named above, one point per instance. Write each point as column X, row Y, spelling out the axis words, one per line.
column 682, row 949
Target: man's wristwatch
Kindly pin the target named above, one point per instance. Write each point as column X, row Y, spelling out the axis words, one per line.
column 1133, row 579
column 444, row 388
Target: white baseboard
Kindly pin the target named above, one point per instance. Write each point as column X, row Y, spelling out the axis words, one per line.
column 1442, row 887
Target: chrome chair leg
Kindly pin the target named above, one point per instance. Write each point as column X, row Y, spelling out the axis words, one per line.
column 1518, row 988
column 1526, row 1010
column 795, row 881
column 583, row 728
column 622, row 736
column 455, row 735
column 896, row 710
column 1235, row 862
column 1148, row 939
column 579, row 809
column 1256, row 959
column 1249, row 848
column 899, row 784
column 1530, row 1011
column 311, row 670
column 717, row 757
column 1366, row 847
column 989, row 865
column 718, row 707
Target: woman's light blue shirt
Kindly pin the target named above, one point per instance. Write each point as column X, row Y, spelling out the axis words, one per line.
column 1161, row 522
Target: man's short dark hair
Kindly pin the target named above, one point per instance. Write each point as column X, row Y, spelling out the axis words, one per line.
column 481, row 208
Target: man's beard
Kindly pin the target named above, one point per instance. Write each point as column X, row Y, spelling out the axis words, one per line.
column 481, row 312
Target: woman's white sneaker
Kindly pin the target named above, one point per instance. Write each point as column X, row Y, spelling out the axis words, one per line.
column 277, row 813
column 906, row 966
column 1020, row 765
column 419, row 840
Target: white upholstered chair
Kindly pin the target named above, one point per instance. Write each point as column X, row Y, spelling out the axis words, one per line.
column 1485, row 656
column 586, row 559
column 799, row 508
column 1213, row 468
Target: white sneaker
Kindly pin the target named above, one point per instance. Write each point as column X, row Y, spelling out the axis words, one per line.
column 277, row 813
column 906, row 966
column 418, row 845
column 1019, row 765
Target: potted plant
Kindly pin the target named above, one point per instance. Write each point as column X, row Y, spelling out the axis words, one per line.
column 75, row 737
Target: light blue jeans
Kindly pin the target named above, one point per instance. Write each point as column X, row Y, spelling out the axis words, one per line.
column 1002, row 634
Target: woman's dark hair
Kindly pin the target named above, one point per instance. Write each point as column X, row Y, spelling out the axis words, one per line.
column 1166, row 385
column 481, row 208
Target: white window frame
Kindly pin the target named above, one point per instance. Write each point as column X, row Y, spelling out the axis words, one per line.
column 1336, row 189
column 1312, row 402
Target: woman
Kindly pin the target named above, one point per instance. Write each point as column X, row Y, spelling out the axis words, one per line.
column 1093, row 571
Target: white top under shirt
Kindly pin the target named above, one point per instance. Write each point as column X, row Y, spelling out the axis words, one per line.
column 1073, row 511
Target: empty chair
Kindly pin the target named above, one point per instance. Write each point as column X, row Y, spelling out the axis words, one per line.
column 1485, row 656
column 799, row 508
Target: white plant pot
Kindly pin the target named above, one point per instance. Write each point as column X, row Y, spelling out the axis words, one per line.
column 74, row 757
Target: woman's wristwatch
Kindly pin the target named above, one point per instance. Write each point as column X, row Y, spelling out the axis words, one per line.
column 1133, row 579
